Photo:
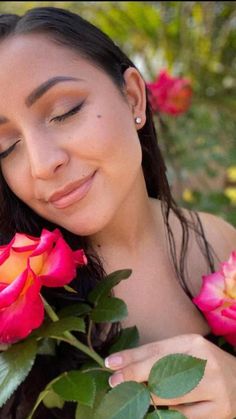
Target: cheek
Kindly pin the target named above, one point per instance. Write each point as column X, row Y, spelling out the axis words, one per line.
column 19, row 181
column 110, row 142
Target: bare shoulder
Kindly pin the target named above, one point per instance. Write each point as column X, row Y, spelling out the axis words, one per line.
column 219, row 233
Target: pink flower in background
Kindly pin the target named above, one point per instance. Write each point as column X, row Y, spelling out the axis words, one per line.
column 26, row 264
column 217, row 300
column 171, row 95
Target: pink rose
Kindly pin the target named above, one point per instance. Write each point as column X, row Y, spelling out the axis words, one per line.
column 26, row 264
column 170, row 95
column 217, row 300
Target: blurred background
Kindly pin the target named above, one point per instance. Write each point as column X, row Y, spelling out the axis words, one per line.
column 194, row 41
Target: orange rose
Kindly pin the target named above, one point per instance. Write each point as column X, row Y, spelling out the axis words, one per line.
column 26, row 264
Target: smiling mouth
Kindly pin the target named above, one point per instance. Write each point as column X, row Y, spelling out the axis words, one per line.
column 76, row 194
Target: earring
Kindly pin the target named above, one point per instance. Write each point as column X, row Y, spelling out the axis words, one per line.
column 138, row 120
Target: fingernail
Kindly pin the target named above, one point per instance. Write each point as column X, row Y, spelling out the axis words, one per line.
column 116, row 379
column 113, row 361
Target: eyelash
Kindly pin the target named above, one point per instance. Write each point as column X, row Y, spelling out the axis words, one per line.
column 56, row 118
column 8, row 151
column 68, row 114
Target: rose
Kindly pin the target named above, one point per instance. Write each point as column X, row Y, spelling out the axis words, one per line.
column 170, row 95
column 217, row 300
column 26, row 264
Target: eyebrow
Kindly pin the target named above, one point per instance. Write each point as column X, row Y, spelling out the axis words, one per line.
column 39, row 91
column 44, row 87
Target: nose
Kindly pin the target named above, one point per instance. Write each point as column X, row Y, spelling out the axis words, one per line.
column 45, row 156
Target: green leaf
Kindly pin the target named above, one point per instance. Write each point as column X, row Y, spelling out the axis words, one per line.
column 56, row 329
column 78, row 309
column 109, row 309
column 175, row 375
column 101, row 380
column 128, row 400
column 75, row 386
column 52, row 399
column 102, row 386
column 104, row 287
column 47, row 347
column 15, row 365
column 165, row 414
column 128, row 338
column 41, row 396
column 84, row 412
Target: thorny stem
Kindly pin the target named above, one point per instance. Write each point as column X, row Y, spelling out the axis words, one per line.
column 71, row 339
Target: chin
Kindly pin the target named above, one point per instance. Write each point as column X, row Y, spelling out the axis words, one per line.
column 84, row 228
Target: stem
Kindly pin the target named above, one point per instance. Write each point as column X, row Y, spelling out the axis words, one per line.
column 154, row 404
column 98, row 369
column 71, row 339
column 89, row 334
column 49, row 310
column 152, row 399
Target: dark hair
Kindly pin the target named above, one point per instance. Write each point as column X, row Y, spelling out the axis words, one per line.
column 71, row 30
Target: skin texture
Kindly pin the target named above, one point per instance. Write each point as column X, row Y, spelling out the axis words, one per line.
column 123, row 223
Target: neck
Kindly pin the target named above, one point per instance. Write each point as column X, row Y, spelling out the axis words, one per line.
column 134, row 223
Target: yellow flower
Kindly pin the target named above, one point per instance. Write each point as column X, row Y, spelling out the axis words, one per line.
column 231, row 173
column 188, row 195
column 230, row 192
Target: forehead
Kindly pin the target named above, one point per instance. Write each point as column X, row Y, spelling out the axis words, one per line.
column 28, row 60
column 33, row 50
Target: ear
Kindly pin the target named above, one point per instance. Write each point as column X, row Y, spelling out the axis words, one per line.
column 135, row 91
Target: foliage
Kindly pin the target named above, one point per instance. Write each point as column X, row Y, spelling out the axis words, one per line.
column 196, row 40
column 171, row 376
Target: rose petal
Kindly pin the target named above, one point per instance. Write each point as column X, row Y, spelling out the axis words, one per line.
column 11, row 292
column 219, row 323
column 46, row 242
column 4, row 252
column 80, row 258
column 212, row 292
column 3, row 286
column 229, row 267
column 24, row 243
column 37, row 263
column 60, row 267
column 13, row 266
column 231, row 338
column 26, row 314
column 230, row 312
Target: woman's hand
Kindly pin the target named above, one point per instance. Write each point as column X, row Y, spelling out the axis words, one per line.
column 215, row 395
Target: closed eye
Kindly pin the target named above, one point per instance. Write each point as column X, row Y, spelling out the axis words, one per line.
column 8, row 151
column 73, row 111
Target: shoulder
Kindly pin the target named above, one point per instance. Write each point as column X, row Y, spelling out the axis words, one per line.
column 221, row 238
column 220, row 234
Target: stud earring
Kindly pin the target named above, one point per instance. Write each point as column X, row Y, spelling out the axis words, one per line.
column 138, row 120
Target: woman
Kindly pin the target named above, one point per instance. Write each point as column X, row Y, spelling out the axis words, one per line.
column 78, row 150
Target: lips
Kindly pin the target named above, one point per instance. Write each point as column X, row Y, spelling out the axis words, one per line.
column 72, row 192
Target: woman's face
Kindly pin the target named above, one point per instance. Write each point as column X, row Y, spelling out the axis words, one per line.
column 68, row 137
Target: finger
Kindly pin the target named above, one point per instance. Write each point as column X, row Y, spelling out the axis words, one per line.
column 191, row 397
column 139, row 372
column 181, row 344
column 122, row 359
column 136, row 371
column 203, row 410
